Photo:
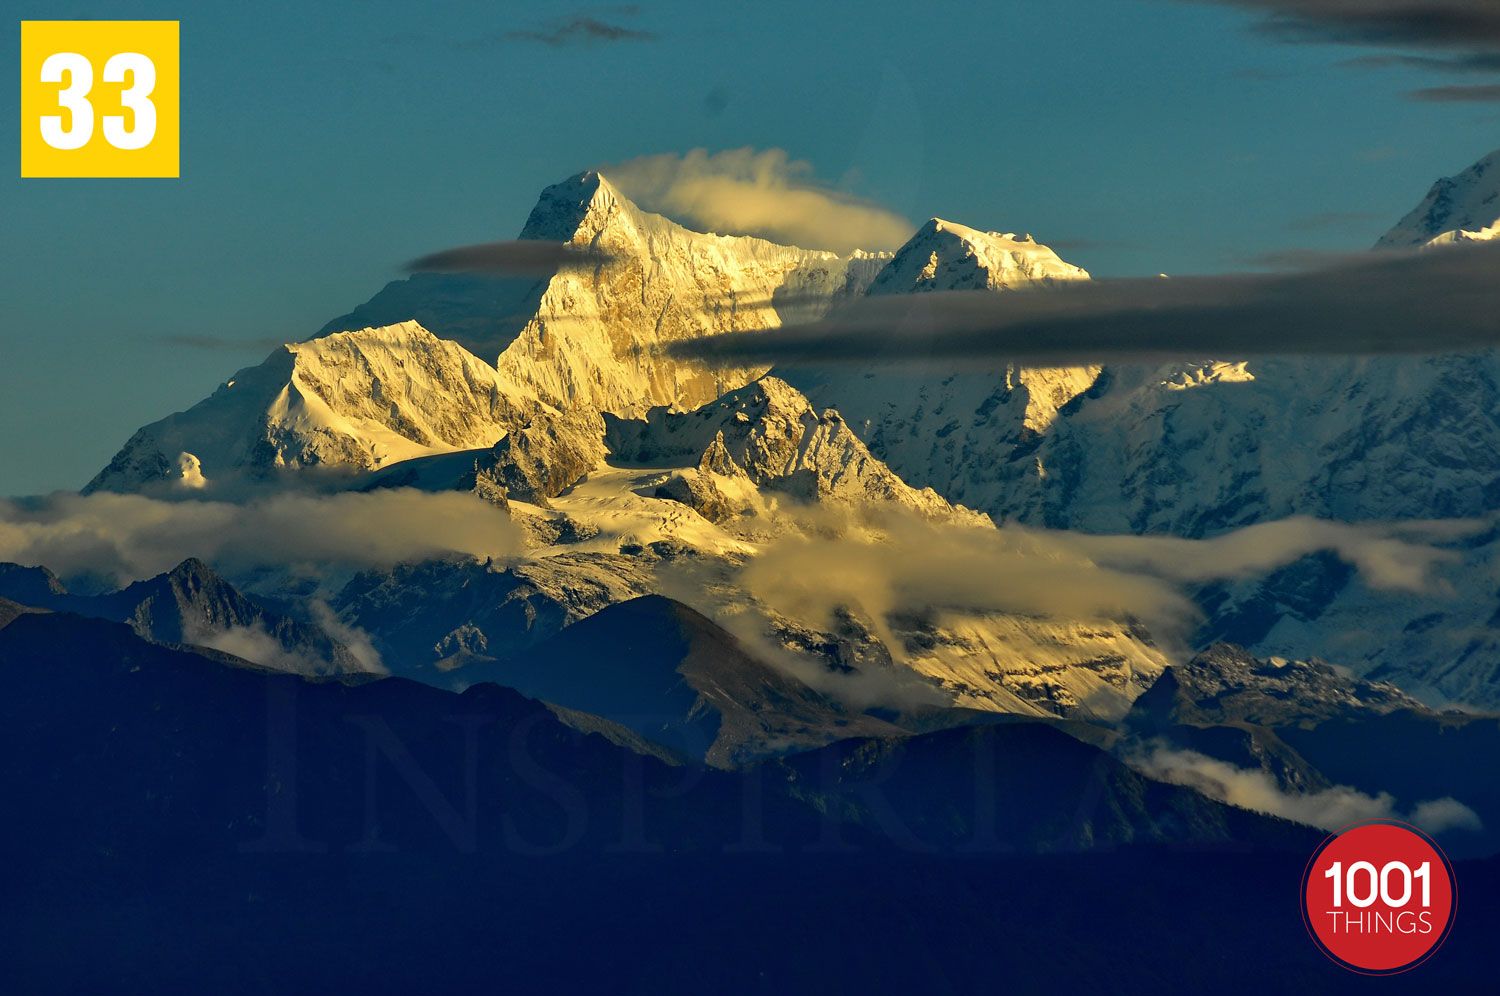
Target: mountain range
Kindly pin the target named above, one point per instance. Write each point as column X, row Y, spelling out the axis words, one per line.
column 674, row 578
column 170, row 792
column 858, row 650
column 553, row 397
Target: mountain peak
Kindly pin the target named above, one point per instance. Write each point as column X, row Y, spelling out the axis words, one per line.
column 1225, row 683
column 30, row 585
column 562, row 208
column 1458, row 208
column 937, row 226
column 359, row 399
column 945, row 255
column 194, row 569
column 768, row 433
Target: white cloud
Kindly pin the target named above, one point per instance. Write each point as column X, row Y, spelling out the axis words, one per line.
column 358, row 642
column 899, row 563
column 255, row 644
column 1386, row 556
column 1329, row 809
column 764, row 193
column 908, row 565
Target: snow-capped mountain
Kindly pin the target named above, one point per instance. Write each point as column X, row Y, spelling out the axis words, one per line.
column 1200, row 447
column 961, row 434
column 1196, row 449
column 589, row 336
column 679, row 502
column 944, row 255
column 440, row 362
column 356, row 400
column 1458, row 208
column 765, row 435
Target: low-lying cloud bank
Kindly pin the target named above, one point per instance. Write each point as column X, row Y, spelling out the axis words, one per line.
column 1437, row 301
column 910, row 567
column 1330, row 809
column 129, row 537
column 903, row 565
column 763, row 193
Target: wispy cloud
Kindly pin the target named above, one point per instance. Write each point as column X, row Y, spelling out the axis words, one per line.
column 1397, row 557
column 1326, row 220
column 899, row 565
column 908, row 566
column 1436, row 301
column 1457, row 36
column 1459, row 94
column 580, row 29
column 1476, row 62
column 1461, row 25
column 764, row 193
column 128, row 537
column 1331, row 808
column 514, row 258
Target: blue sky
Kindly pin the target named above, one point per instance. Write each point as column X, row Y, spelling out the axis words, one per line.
column 322, row 147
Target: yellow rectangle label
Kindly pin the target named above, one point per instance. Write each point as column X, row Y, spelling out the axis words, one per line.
column 100, row 98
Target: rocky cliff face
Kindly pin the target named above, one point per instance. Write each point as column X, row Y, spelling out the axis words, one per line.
column 768, row 435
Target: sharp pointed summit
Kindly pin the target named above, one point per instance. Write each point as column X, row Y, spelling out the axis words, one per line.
column 563, row 211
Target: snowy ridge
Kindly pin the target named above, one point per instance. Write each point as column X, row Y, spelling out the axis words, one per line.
column 589, row 335
column 594, row 340
column 767, row 435
column 1196, row 448
column 1458, row 208
column 358, row 400
column 584, row 338
column 944, row 255
column 957, row 433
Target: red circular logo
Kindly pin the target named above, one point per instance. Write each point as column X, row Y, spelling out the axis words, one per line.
column 1379, row 897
